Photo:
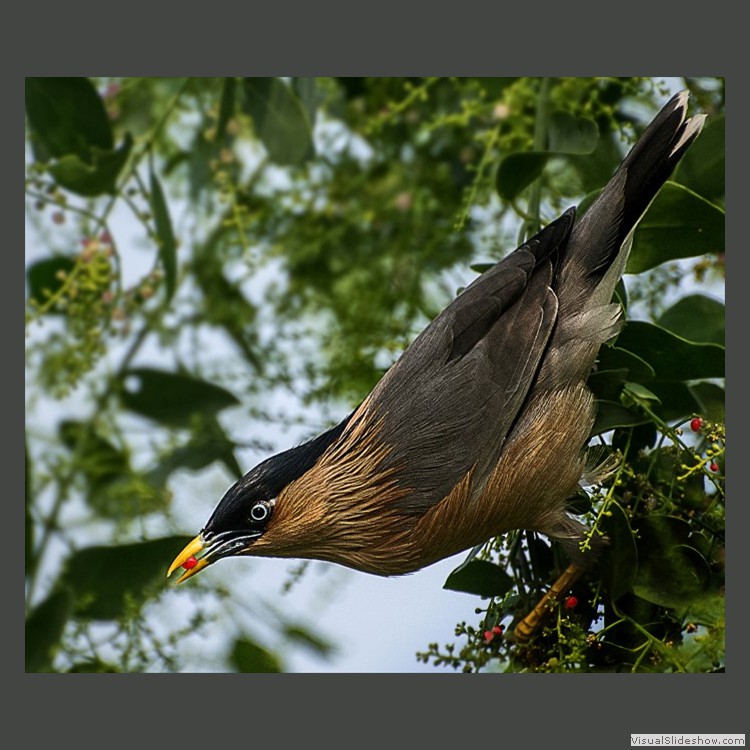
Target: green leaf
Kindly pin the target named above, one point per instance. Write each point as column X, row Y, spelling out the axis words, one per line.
column 200, row 153
column 94, row 666
column 309, row 95
column 611, row 415
column 101, row 462
column 227, row 106
column 634, row 394
column 616, row 366
column 607, row 385
column 67, row 116
column 517, row 171
column 702, row 168
column 42, row 280
column 711, row 400
column 659, row 530
column 672, row 357
column 164, row 235
column 207, row 445
column 106, row 582
column 171, row 398
column 709, row 610
column 479, row 577
column 615, row 358
column 595, row 169
column 44, row 629
column 671, row 573
column 672, row 577
column 94, row 178
column 619, row 563
column 569, row 134
column 280, row 120
column 304, row 637
column 113, row 489
column 676, row 400
column 679, row 224
column 248, row 657
column 696, row 318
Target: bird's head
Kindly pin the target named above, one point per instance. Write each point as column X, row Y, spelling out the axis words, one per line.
column 244, row 515
column 263, row 512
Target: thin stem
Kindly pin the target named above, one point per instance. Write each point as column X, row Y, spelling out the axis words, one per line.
column 50, row 524
column 540, row 144
column 651, row 640
column 165, row 114
column 487, row 157
column 586, row 543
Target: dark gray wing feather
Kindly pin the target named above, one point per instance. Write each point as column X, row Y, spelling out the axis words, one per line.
column 453, row 396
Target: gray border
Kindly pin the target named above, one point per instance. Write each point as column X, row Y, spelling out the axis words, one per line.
column 381, row 711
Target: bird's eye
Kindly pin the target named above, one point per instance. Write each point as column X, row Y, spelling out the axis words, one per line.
column 260, row 512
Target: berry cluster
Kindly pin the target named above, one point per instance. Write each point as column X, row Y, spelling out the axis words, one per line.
column 697, row 425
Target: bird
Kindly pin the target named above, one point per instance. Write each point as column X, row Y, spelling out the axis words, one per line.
column 480, row 427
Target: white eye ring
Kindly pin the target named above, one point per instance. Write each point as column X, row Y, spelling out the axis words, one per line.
column 260, row 512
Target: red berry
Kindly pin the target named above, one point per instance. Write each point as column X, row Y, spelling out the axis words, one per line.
column 571, row 602
column 488, row 636
column 696, row 423
column 714, row 466
column 498, row 630
column 190, row 563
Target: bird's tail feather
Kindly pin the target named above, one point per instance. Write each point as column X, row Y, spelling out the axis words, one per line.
column 601, row 237
column 597, row 250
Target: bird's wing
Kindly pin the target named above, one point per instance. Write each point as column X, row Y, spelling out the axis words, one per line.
column 449, row 402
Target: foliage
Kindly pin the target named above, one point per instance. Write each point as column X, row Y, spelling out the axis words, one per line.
column 199, row 244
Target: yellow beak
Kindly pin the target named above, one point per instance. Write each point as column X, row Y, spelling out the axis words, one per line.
column 192, row 549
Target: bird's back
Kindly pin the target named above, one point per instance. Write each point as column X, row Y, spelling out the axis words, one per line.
column 486, row 414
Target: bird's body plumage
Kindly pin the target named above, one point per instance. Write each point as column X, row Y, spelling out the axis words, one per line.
column 479, row 427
